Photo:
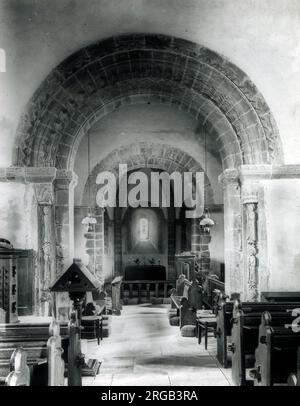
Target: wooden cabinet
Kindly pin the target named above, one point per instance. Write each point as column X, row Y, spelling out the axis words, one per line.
column 16, row 283
column 9, row 285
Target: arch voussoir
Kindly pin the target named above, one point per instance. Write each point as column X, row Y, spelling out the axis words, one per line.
column 106, row 75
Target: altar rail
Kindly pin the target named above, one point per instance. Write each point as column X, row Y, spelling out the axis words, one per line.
column 145, row 289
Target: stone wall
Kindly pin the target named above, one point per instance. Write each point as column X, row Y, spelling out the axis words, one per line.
column 283, row 225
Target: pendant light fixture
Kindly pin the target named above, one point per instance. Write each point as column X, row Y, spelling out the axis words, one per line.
column 89, row 221
column 206, row 221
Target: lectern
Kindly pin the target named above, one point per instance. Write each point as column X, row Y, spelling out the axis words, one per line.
column 76, row 280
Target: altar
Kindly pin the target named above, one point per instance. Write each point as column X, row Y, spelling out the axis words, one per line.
column 145, row 272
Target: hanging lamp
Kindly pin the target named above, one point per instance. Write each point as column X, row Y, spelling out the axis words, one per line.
column 206, row 221
column 90, row 220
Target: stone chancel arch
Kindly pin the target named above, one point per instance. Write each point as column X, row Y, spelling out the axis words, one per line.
column 156, row 69
column 137, row 68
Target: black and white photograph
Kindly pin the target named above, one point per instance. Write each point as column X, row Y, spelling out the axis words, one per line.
column 149, row 196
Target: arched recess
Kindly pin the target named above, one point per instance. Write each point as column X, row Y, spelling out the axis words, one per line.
column 137, row 68
column 141, row 156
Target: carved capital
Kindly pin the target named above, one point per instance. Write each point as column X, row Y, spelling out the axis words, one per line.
column 250, row 192
column 65, row 178
column 44, row 193
column 229, row 177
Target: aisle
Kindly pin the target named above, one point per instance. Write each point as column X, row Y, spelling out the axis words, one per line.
column 144, row 349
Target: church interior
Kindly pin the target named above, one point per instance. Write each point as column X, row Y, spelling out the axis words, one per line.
column 133, row 295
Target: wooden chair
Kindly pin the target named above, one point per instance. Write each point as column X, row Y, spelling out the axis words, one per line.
column 207, row 321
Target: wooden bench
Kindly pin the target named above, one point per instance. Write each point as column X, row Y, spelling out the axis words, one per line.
column 224, row 324
column 20, row 372
column 245, row 331
column 187, row 304
column 280, row 297
column 223, row 328
column 176, row 294
column 47, row 359
column 277, row 350
column 294, row 377
column 31, row 337
column 213, row 288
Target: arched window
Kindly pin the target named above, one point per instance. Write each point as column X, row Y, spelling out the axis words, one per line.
column 144, row 229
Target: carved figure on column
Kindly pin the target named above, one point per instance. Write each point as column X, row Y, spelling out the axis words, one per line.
column 252, row 272
column 44, row 193
column 46, row 297
column 252, row 252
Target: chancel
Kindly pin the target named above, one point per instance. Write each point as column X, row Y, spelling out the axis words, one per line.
column 150, row 169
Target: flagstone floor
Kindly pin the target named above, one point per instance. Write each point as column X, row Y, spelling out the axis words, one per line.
column 143, row 349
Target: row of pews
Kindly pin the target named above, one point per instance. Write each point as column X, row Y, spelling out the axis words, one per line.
column 259, row 340
column 45, row 354
column 32, row 354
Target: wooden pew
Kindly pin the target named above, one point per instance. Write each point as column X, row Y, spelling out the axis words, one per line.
column 294, row 377
column 224, row 311
column 51, row 370
column 20, row 373
column 280, row 297
column 213, row 288
column 224, row 324
column 56, row 364
column 32, row 338
column 276, row 353
column 176, row 294
column 245, row 330
column 223, row 329
column 188, row 303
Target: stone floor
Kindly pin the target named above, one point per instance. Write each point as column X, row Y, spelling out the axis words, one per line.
column 143, row 349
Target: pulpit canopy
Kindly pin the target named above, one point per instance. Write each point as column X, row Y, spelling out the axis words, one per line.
column 77, row 278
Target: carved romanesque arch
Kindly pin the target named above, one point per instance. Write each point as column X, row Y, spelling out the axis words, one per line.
column 146, row 155
column 138, row 68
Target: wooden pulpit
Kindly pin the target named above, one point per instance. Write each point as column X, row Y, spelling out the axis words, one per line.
column 76, row 280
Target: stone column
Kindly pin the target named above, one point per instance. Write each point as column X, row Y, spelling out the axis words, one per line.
column 46, row 265
column 250, row 241
column 254, row 228
column 64, row 185
column 95, row 244
column 234, row 276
